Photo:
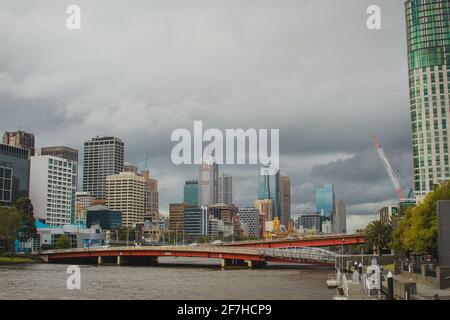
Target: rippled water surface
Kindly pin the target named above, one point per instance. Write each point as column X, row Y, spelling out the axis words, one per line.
column 190, row 280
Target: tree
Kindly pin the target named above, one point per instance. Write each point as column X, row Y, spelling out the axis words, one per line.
column 417, row 229
column 63, row 242
column 378, row 235
column 11, row 222
column 28, row 229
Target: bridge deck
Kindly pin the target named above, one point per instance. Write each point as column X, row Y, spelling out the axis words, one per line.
column 289, row 255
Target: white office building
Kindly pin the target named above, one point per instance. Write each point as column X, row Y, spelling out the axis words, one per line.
column 52, row 189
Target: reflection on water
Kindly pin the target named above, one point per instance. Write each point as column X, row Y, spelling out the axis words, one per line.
column 166, row 281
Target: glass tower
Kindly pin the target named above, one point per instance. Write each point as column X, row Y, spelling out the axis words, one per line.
column 269, row 188
column 325, row 201
column 428, row 37
column 191, row 193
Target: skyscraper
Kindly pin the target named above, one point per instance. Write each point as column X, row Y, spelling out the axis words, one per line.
column 20, row 139
column 70, row 155
column 208, row 182
column 191, row 193
column 325, row 201
column 250, row 216
column 52, row 189
column 125, row 193
column 285, row 191
column 151, row 196
column 196, row 222
column 176, row 217
column 103, row 156
column 225, row 189
column 340, row 218
column 269, row 188
column 428, row 30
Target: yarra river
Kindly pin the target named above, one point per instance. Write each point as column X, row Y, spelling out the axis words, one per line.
column 183, row 279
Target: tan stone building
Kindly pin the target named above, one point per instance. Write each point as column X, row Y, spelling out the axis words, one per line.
column 125, row 193
column 265, row 207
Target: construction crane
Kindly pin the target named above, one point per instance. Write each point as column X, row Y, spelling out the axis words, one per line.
column 391, row 173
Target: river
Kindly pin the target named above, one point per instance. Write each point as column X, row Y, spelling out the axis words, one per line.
column 180, row 279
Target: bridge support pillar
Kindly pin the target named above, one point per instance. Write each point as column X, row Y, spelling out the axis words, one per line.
column 99, row 260
column 118, row 260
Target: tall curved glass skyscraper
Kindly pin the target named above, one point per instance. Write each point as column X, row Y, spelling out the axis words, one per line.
column 428, row 36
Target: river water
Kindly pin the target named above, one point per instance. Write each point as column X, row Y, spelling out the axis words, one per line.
column 171, row 279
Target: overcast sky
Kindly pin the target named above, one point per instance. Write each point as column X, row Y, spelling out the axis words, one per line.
column 140, row 69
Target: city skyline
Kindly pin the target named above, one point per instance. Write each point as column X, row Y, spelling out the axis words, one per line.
column 308, row 154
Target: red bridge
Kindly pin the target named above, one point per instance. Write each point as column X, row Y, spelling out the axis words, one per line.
column 227, row 255
column 313, row 241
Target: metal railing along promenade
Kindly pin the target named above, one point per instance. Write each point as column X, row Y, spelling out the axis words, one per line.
column 303, row 254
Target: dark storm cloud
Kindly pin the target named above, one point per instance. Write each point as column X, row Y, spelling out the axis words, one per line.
column 140, row 69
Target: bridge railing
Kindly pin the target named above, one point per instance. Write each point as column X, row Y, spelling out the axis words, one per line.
column 298, row 238
column 302, row 254
column 207, row 248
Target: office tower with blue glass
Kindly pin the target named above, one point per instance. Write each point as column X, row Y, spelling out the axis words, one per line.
column 325, row 202
column 269, row 188
column 14, row 173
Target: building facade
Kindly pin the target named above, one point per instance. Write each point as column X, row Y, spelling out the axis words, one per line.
column 388, row 213
column 83, row 201
column 340, row 218
column 106, row 218
column 225, row 189
column 325, row 201
column 20, row 139
column 208, row 182
column 191, row 193
column 196, row 222
column 428, row 30
column 70, row 155
column 53, row 188
column 61, row 152
column 224, row 212
column 14, row 173
column 176, row 217
column 310, row 222
column 265, row 207
column 250, row 216
column 103, row 156
column 125, row 193
column 285, row 191
column 269, row 188
column 80, row 236
column 151, row 197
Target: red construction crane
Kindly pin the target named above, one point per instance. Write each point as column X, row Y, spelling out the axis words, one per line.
column 388, row 167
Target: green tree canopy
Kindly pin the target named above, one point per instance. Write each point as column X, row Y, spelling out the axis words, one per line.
column 417, row 230
column 378, row 235
column 63, row 242
column 28, row 229
column 11, row 222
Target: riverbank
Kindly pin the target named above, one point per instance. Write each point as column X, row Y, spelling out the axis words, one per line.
column 18, row 260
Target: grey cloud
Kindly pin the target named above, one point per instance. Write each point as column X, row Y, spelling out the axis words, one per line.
column 142, row 69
